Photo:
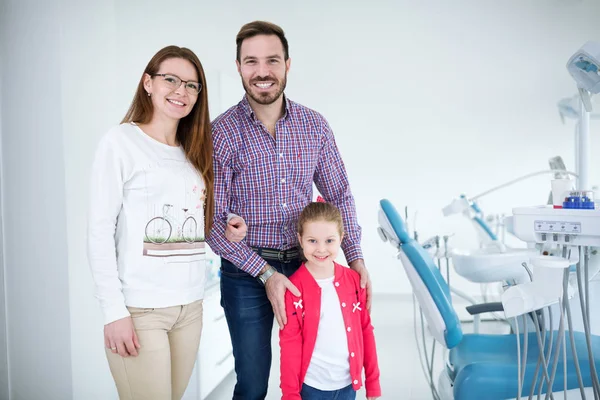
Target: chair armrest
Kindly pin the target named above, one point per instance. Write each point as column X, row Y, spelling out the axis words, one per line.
column 485, row 307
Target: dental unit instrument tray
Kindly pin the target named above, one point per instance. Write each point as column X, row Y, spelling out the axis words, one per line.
column 491, row 264
column 568, row 226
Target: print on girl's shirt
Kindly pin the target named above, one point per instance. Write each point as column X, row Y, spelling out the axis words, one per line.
column 175, row 224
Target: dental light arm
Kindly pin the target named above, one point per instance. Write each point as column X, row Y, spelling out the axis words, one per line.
column 462, row 204
column 522, row 178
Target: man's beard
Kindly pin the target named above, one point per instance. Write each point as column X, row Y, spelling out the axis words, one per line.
column 265, row 98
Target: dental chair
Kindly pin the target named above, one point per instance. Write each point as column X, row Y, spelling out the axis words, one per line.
column 480, row 367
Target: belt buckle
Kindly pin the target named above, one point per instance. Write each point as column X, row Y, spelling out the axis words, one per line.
column 282, row 256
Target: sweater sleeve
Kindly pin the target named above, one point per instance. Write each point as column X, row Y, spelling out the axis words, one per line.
column 290, row 342
column 106, row 198
column 371, row 365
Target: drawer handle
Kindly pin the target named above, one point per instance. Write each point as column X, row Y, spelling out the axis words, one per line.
column 224, row 358
column 220, row 317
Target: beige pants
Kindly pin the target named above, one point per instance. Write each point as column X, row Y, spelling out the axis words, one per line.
column 169, row 339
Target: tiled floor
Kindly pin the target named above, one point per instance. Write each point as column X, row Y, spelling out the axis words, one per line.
column 401, row 373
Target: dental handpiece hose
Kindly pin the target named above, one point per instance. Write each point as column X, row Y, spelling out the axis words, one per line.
column 437, row 252
column 564, row 350
column 519, row 382
column 586, row 322
column 542, row 358
column 557, row 349
column 587, row 285
column 522, row 361
column 446, row 237
column 541, row 340
column 562, row 334
column 567, row 307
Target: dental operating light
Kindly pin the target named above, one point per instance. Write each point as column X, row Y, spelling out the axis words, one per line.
column 584, row 67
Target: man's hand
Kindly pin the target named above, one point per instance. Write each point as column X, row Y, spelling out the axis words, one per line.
column 120, row 337
column 365, row 279
column 276, row 286
column 236, row 229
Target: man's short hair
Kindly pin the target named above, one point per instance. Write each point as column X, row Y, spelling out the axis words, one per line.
column 256, row 28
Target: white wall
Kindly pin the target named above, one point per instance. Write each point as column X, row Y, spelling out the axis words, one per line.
column 33, row 195
column 4, row 380
column 428, row 100
column 89, row 77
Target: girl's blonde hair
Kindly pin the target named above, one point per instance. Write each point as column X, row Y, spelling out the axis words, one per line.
column 319, row 211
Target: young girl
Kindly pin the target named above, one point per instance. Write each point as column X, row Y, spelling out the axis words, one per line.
column 329, row 337
column 151, row 206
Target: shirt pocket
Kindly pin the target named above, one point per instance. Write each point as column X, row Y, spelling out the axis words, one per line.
column 256, row 164
column 302, row 158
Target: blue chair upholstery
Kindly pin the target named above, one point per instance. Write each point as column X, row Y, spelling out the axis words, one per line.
column 483, row 366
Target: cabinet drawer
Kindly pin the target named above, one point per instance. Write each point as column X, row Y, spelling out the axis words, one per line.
column 215, row 357
column 212, row 375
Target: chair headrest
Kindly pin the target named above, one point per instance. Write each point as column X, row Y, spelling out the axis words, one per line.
column 395, row 221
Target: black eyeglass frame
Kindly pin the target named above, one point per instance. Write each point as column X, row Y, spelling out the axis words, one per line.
column 181, row 81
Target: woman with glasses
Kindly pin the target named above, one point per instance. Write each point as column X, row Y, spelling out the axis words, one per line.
column 151, row 208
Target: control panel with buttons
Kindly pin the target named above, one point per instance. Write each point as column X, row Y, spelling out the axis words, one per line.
column 545, row 224
column 557, row 226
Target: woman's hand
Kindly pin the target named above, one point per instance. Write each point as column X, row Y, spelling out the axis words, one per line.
column 120, row 337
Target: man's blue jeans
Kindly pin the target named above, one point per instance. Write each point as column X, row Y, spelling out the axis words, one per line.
column 249, row 316
column 310, row 393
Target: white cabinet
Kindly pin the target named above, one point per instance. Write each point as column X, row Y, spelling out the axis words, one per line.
column 215, row 356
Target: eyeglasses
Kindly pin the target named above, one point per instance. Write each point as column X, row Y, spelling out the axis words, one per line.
column 173, row 82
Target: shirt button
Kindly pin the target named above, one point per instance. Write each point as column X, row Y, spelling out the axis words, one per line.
column 355, row 382
column 337, row 283
column 283, row 180
column 343, row 304
column 352, row 354
column 281, row 155
column 284, row 205
column 349, row 329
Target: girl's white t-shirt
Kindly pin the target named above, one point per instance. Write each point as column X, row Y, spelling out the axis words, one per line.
column 146, row 224
column 329, row 367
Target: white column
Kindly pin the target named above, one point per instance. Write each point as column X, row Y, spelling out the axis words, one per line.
column 33, row 194
column 91, row 104
column 4, row 380
column 583, row 152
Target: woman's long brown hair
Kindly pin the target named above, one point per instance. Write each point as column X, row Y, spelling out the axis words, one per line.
column 193, row 131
